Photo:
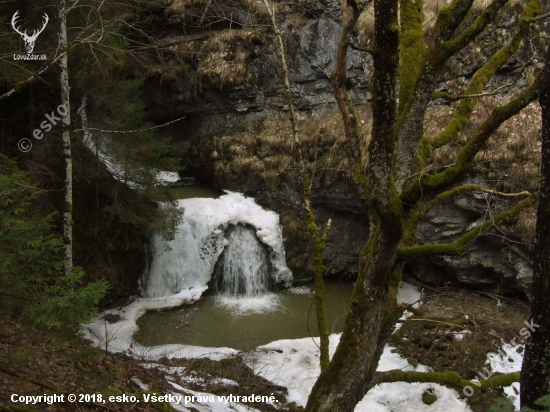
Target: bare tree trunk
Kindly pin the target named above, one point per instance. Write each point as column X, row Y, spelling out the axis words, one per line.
column 535, row 371
column 66, row 124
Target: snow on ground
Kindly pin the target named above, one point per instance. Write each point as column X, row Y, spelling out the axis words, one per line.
column 408, row 293
column 118, row 336
column 208, row 403
column 168, row 177
column 293, row 363
column 407, row 397
column 506, row 361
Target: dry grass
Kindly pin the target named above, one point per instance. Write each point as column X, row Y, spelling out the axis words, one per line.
column 525, row 225
column 226, row 55
column 513, row 152
column 267, row 150
column 434, row 344
column 511, row 159
column 197, row 7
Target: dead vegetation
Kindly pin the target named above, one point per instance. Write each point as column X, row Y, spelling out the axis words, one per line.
column 509, row 163
column 456, row 329
column 35, row 362
column 266, row 150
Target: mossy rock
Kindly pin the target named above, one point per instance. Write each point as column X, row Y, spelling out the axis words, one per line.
column 428, row 398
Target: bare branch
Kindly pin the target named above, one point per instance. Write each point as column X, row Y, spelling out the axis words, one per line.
column 129, row 131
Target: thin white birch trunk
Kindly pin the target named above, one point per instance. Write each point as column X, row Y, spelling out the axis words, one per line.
column 66, row 123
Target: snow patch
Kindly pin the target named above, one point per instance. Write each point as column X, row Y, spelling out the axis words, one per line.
column 407, row 397
column 408, row 293
column 294, row 363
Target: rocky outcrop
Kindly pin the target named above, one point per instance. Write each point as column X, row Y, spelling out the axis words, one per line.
column 492, row 263
column 216, row 113
column 311, row 51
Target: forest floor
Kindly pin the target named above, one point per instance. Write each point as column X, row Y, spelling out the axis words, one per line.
column 36, row 362
column 452, row 330
column 456, row 329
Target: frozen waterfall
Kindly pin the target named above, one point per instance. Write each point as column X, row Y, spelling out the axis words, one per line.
column 244, row 265
column 250, row 236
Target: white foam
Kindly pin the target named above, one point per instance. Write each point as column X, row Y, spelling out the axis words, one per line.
column 300, row 290
column 241, row 305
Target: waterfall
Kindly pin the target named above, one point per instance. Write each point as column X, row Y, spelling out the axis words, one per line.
column 244, row 266
column 253, row 252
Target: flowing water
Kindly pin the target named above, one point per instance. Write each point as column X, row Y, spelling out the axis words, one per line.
column 249, row 322
column 243, row 269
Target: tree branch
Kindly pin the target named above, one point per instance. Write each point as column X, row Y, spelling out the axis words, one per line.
column 447, row 378
column 458, row 247
column 361, row 49
column 467, row 154
column 481, row 78
column 128, row 131
column 448, row 96
column 449, row 48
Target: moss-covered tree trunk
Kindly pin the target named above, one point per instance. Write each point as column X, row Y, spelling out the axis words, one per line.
column 352, row 368
column 396, row 150
column 318, row 240
column 535, row 371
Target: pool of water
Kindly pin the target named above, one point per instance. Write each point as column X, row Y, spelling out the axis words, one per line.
column 245, row 323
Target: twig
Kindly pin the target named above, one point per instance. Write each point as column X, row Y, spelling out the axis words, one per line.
column 361, row 49
column 437, row 321
column 129, row 131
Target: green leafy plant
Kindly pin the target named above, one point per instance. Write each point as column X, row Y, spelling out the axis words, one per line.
column 32, row 284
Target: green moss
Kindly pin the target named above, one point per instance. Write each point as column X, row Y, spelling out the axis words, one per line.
column 482, row 77
column 458, row 247
column 467, row 154
column 425, row 151
column 395, row 279
column 111, row 392
column 413, row 50
column 428, row 398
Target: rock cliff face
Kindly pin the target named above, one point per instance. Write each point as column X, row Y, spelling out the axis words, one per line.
column 216, row 113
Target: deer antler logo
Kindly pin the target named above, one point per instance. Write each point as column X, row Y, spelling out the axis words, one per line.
column 29, row 40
